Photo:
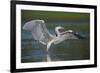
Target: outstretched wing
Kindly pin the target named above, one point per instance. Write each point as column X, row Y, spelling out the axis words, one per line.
column 39, row 30
column 72, row 35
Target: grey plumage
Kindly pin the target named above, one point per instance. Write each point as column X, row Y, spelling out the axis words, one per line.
column 39, row 30
column 41, row 34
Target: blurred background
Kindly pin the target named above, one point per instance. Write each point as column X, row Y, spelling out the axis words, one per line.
column 33, row 51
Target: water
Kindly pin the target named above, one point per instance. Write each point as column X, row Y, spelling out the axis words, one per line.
column 33, row 51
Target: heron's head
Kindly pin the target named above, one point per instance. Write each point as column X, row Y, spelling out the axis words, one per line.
column 59, row 27
column 30, row 24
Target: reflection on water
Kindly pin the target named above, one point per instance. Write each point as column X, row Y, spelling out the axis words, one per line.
column 33, row 51
column 48, row 58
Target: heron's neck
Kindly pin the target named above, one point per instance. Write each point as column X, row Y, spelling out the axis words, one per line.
column 57, row 31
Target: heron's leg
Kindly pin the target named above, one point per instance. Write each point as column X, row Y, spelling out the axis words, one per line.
column 49, row 44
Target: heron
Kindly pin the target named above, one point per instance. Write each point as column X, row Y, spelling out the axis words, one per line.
column 41, row 33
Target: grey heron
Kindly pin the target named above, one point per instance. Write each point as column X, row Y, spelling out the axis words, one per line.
column 41, row 34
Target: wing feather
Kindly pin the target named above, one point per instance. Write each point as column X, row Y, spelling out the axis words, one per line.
column 39, row 30
column 73, row 35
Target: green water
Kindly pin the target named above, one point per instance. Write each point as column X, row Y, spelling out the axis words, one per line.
column 67, row 50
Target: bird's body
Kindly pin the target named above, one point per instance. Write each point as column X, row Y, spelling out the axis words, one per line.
column 41, row 34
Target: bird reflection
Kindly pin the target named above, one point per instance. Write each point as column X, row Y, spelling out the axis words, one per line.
column 48, row 58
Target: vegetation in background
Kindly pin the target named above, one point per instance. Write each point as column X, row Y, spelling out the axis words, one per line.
column 69, row 20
